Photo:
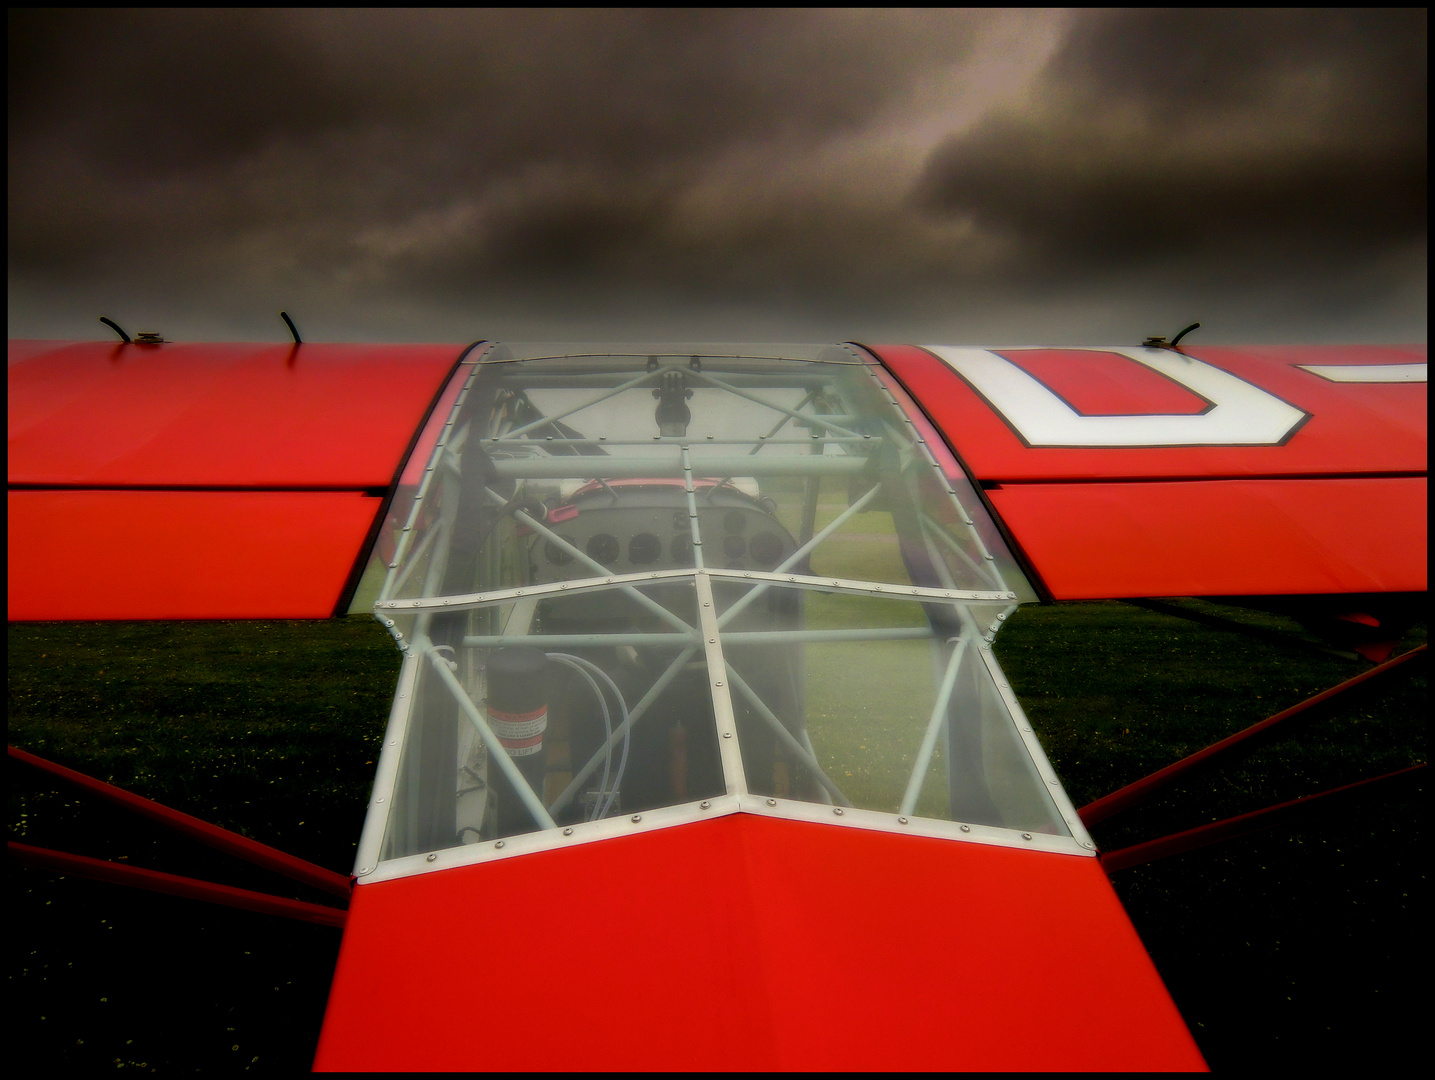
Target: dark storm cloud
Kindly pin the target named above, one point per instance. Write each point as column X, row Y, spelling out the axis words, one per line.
column 1266, row 136
column 736, row 173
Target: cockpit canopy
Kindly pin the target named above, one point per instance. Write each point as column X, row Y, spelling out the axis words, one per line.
column 631, row 580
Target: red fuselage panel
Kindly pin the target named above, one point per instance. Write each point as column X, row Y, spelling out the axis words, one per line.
column 747, row 943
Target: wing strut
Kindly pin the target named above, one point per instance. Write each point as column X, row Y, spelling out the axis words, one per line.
column 212, row 835
column 1110, row 805
column 62, row 862
column 1269, row 817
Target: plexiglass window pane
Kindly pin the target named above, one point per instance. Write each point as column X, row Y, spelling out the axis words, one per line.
column 882, row 705
column 554, row 710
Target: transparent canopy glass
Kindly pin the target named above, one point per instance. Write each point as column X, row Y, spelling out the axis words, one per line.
column 636, row 579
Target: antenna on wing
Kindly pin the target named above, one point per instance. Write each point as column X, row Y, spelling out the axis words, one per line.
column 116, row 328
column 1162, row 343
column 292, row 328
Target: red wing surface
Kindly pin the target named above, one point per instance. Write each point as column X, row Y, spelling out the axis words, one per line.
column 203, row 481
column 1204, row 471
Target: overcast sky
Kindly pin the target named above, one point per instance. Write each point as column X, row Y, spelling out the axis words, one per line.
column 931, row 176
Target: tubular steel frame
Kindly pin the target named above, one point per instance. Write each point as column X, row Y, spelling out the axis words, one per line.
column 709, row 636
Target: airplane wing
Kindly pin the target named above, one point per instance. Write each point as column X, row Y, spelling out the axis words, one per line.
column 204, row 481
column 1203, row 471
column 700, row 753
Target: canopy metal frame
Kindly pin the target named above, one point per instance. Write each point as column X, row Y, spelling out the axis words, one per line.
column 708, row 638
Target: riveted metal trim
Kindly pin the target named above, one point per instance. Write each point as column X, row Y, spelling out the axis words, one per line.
column 528, row 843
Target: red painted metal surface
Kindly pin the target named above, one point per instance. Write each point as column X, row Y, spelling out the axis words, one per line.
column 1245, row 824
column 248, row 415
column 748, row 943
column 1221, row 537
column 1353, row 427
column 178, row 821
column 182, row 554
column 62, row 862
column 1109, row 806
column 1105, row 384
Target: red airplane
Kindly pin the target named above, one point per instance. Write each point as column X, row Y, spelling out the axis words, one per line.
column 697, row 670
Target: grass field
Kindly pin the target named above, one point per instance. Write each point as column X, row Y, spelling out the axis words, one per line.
column 1292, row 948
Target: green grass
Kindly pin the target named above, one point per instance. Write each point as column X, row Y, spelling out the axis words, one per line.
column 1292, row 948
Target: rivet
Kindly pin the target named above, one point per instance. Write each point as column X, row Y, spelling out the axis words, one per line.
column 1088, row 845
column 991, row 558
column 726, row 734
column 636, row 818
column 1026, row 836
column 563, row 586
column 704, row 805
column 366, row 870
column 379, row 799
column 837, row 810
column 1001, row 618
column 771, row 802
column 712, row 641
column 901, row 821
column 966, row 828
column 1052, row 783
column 430, row 858
column 706, row 604
column 499, row 844
column 568, row 832
column 718, row 683
column 393, row 566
